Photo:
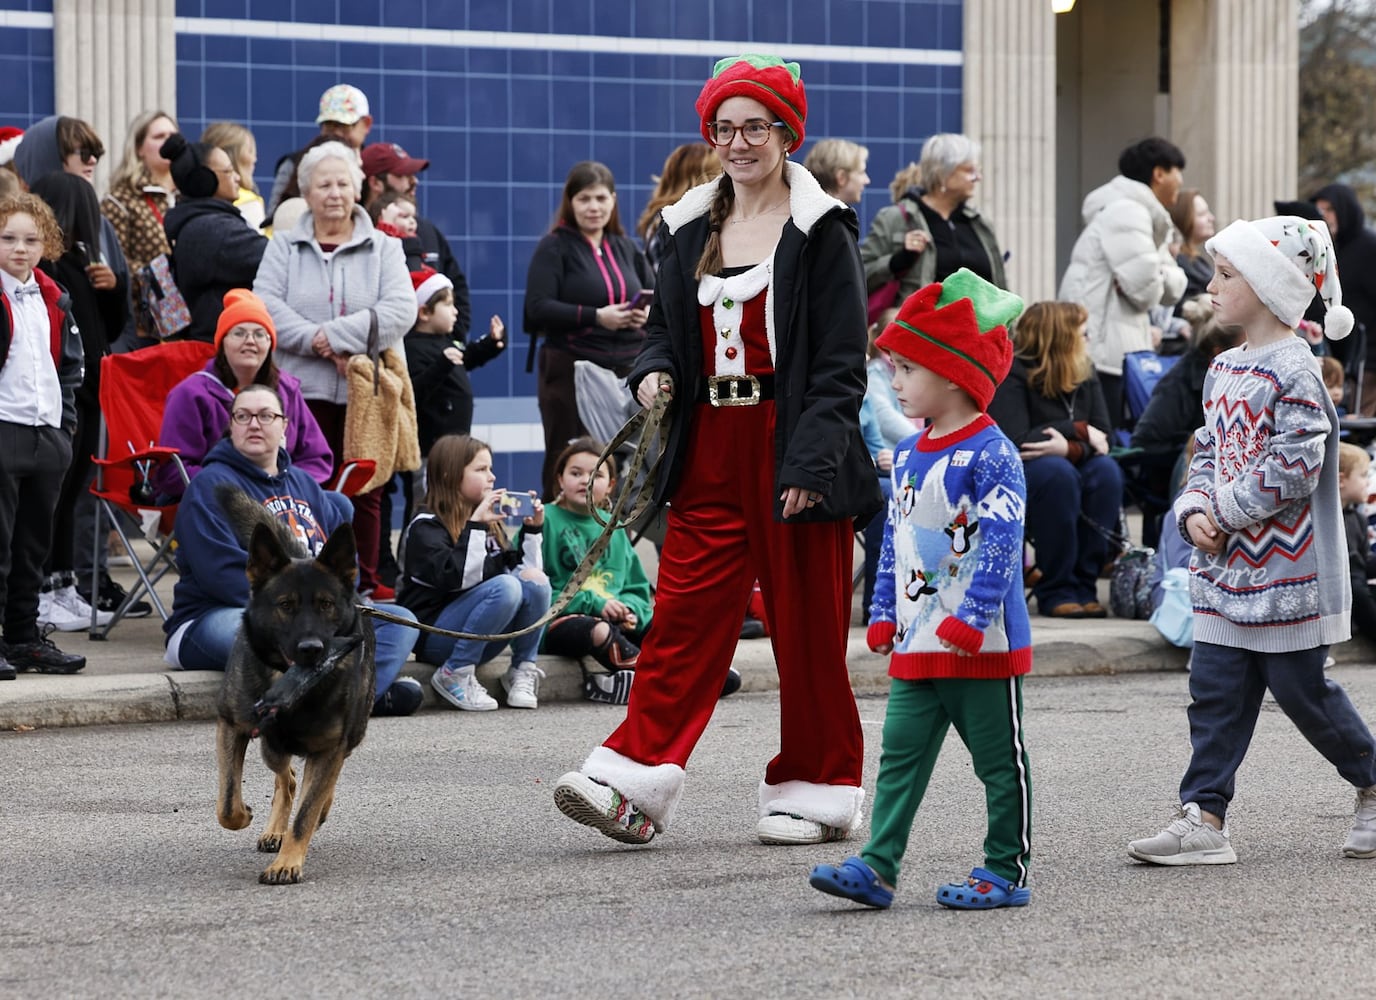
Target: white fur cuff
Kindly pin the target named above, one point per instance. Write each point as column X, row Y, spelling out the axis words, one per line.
column 840, row 806
column 655, row 790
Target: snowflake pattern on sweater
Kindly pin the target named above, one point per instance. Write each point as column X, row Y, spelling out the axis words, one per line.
column 951, row 564
column 1265, row 468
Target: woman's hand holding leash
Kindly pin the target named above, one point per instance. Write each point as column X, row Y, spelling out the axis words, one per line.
column 651, row 386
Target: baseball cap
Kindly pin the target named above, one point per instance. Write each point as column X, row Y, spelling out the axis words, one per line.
column 389, row 158
column 344, row 104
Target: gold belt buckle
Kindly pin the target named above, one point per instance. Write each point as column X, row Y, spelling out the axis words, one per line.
column 733, row 383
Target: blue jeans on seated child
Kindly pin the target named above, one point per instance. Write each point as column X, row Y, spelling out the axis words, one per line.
column 207, row 641
column 504, row 603
column 1070, row 553
column 1226, row 688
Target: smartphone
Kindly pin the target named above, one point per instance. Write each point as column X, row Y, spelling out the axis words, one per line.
column 643, row 298
column 514, row 507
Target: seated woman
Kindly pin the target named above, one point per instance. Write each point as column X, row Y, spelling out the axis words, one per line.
column 197, row 412
column 212, row 590
column 1052, row 407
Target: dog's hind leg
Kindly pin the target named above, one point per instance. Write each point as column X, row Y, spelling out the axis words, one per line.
column 318, row 778
column 283, row 795
column 230, row 746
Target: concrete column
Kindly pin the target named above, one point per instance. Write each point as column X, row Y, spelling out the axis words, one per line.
column 113, row 59
column 1009, row 105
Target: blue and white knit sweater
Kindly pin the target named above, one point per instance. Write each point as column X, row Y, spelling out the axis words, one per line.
column 951, row 565
column 1266, row 469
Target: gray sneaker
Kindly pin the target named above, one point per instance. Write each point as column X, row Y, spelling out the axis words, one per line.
column 1361, row 839
column 1187, row 840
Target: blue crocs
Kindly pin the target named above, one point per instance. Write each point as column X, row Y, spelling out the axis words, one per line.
column 983, row 890
column 854, row 880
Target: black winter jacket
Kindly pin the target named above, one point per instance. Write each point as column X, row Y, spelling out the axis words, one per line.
column 435, row 252
column 213, row 250
column 443, row 392
column 1356, row 248
column 819, row 300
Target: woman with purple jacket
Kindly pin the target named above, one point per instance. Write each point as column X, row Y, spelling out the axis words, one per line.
column 197, row 412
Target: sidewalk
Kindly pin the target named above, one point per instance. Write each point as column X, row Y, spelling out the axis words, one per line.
column 126, row 679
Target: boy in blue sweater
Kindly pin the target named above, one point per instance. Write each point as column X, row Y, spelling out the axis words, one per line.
column 948, row 599
column 1261, row 509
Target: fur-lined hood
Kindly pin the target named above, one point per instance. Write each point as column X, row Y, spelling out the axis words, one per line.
column 807, row 202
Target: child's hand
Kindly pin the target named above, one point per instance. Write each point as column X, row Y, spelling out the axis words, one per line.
column 538, row 518
column 489, row 508
column 1204, row 533
column 951, row 647
column 614, row 610
column 496, row 330
column 884, row 460
column 454, row 354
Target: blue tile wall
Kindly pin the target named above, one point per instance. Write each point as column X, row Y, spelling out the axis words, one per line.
column 501, row 126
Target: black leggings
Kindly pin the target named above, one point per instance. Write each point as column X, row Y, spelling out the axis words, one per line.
column 572, row 635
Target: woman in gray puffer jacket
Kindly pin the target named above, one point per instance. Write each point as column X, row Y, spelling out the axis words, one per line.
column 319, row 281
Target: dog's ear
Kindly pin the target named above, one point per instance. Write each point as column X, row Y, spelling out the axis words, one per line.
column 266, row 557
column 339, row 557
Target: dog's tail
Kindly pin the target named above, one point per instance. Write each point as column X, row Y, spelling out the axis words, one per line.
column 244, row 513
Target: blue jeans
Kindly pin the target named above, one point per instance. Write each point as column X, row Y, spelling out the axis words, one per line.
column 206, row 643
column 1070, row 552
column 502, row 604
column 1226, row 688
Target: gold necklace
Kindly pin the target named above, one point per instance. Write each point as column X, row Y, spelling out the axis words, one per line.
column 768, row 211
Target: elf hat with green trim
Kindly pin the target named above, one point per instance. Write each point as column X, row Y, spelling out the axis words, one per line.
column 776, row 84
column 957, row 328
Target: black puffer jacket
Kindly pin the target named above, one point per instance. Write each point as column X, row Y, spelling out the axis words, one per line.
column 213, row 250
column 1356, row 246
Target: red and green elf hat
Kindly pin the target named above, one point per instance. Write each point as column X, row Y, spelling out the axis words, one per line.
column 957, row 328
column 776, row 84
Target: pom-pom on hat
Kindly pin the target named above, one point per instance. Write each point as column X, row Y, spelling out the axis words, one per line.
column 10, row 138
column 1286, row 260
column 189, row 172
column 957, row 328
column 776, row 84
column 427, row 281
column 242, row 306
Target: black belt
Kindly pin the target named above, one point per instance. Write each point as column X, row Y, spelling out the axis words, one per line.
column 735, row 390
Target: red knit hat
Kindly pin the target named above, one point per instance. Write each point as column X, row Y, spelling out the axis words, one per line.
column 768, row 79
column 242, row 306
column 957, row 328
column 427, row 281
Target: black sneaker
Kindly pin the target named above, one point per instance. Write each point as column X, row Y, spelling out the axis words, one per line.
column 42, row 656
column 111, row 596
column 7, row 672
column 608, row 689
column 403, row 697
column 752, row 628
column 733, row 682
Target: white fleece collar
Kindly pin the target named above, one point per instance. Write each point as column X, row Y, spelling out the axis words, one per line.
column 807, row 202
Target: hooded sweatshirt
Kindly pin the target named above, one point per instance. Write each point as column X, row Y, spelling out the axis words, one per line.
column 213, row 250
column 1120, row 268
column 1356, row 248
column 210, row 557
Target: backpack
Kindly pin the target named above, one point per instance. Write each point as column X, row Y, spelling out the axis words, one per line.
column 1129, row 590
column 161, row 306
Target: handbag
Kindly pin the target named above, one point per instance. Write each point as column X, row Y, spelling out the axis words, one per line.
column 1129, row 586
column 380, row 415
column 162, row 308
column 886, row 295
column 1174, row 617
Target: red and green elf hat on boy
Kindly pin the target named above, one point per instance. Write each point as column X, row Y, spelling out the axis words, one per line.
column 776, row 84
column 957, row 328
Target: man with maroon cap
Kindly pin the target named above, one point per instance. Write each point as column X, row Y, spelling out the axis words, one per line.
column 388, row 167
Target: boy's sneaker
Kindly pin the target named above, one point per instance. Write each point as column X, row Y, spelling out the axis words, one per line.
column 402, row 697
column 588, row 801
column 110, row 596
column 53, row 614
column 461, row 689
column 608, row 689
column 789, row 829
column 72, row 601
column 522, row 685
column 1361, row 839
column 1187, row 840
column 42, row 656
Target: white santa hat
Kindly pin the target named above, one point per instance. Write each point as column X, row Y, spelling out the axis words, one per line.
column 427, row 281
column 1287, row 259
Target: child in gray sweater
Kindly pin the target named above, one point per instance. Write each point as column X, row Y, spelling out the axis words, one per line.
column 1261, row 509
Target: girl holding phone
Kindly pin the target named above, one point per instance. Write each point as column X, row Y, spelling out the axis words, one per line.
column 464, row 573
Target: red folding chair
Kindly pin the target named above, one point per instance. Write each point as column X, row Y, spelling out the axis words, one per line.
column 133, row 391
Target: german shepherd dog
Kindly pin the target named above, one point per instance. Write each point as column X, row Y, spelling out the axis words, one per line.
column 300, row 677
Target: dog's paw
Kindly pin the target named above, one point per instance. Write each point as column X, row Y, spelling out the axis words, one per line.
column 236, row 819
column 270, row 843
column 280, row 874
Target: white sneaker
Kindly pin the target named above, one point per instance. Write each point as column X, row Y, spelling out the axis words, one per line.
column 76, row 604
column 592, row 803
column 1361, row 839
column 53, row 612
column 522, row 684
column 1187, row 840
column 788, row 829
column 461, row 689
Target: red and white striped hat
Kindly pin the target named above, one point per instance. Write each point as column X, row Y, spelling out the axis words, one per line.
column 427, row 281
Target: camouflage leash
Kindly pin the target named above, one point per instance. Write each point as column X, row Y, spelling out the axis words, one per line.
column 653, row 428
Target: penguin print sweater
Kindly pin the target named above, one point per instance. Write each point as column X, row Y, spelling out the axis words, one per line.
column 1265, row 468
column 951, row 566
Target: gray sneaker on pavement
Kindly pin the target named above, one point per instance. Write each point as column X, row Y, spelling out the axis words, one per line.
column 1187, row 840
column 1361, row 839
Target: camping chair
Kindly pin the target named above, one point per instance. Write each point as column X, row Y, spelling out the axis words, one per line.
column 133, row 391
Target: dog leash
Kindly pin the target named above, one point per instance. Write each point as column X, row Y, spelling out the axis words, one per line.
column 652, row 425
